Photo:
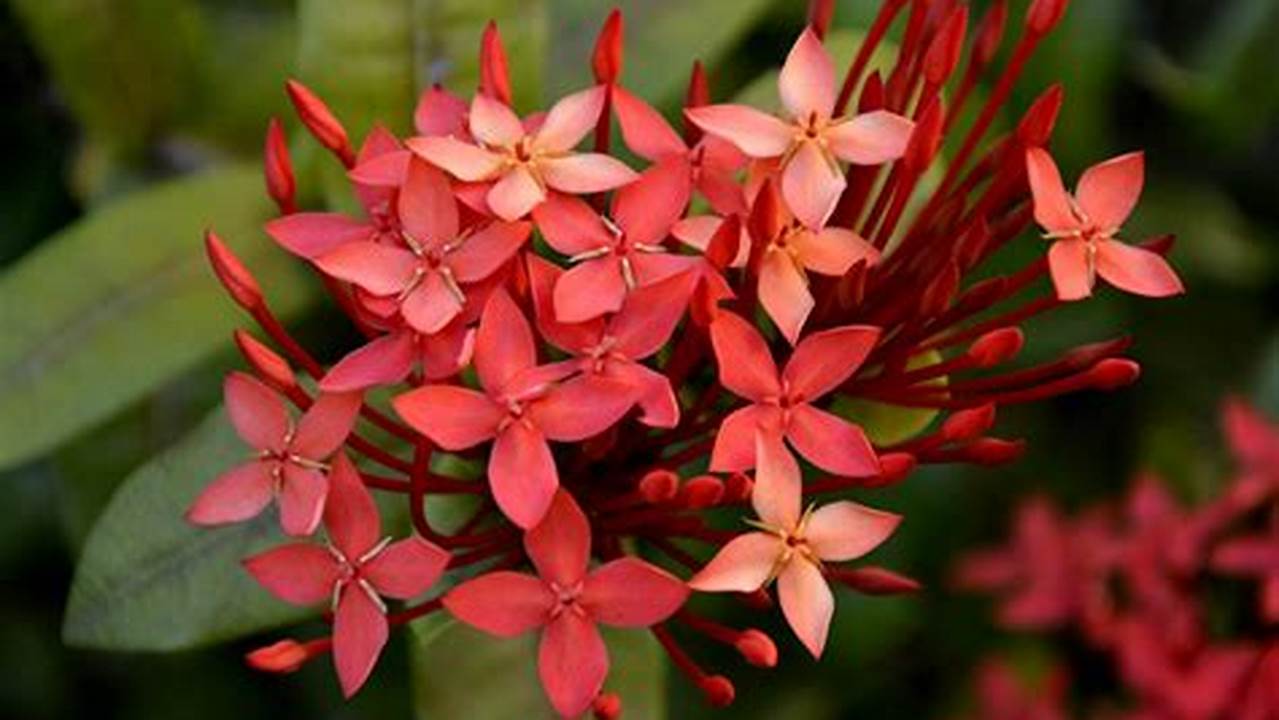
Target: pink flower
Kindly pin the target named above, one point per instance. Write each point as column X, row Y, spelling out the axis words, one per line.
column 522, row 407
column 354, row 573
column 567, row 603
column 792, row 545
column 289, row 466
column 425, row 275
column 782, row 403
column 388, row 359
column 1083, row 228
column 613, row 348
column 809, row 141
column 524, row 163
column 614, row 257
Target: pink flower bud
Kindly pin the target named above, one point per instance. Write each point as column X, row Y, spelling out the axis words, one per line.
column 659, row 486
column 968, row 424
column 278, row 168
column 1036, row 126
column 756, row 648
column 995, row 451
column 285, row 656
column 266, row 363
column 234, row 276
column 877, row 581
column 701, row 492
column 321, row 122
column 495, row 78
column 738, row 487
column 990, row 33
column 996, row 347
column 608, row 706
column 1044, row 15
column 1114, row 373
column 718, row 690
column 948, row 44
column 606, row 61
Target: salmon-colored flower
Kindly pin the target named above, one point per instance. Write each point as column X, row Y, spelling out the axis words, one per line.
column 523, row 163
column 792, row 544
column 290, row 464
column 522, row 407
column 808, row 140
column 782, row 403
column 1084, row 227
column 353, row 572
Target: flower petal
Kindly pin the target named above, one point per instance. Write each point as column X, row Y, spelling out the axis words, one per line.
column 431, row 305
column 872, row 138
column 746, row 366
column 811, row 185
column 846, row 530
column 590, row 289
column 427, row 208
column 515, row 194
column 501, row 603
column 653, row 392
column 783, row 291
column 384, row 361
column 649, row 315
column 462, row 160
column 644, row 130
column 447, row 352
column 350, row 516
column 1136, row 270
column 757, row 134
column 572, row 663
column 807, row 603
column 1071, row 271
column 778, row 489
column 1109, row 191
column 487, row 249
column 299, row 574
column 575, row 338
column 325, row 425
column 406, row 569
column 831, row 442
column 359, row 633
column 832, row 251
column 807, row 81
column 646, row 208
column 493, row 123
column 743, row 565
column 522, row 474
column 569, row 120
column 311, row 234
column 734, row 449
column 560, row 545
column 571, row 226
column 585, row 173
column 236, row 495
column 380, row 269
column 439, row 112
column 302, row 499
column 455, row 418
column 582, row 407
column 257, row 412
column 1053, row 209
column 629, row 592
column 824, row 360
column 504, row 344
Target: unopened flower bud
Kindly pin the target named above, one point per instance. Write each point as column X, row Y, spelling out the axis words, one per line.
column 317, row 118
column 719, row 691
column 659, row 486
column 266, row 363
column 1044, row 15
column 277, row 168
column 285, row 656
column 702, row 492
column 495, row 78
column 1114, row 373
column 1036, row 126
column 756, row 648
column 947, row 46
column 995, row 451
column 608, row 706
column 234, row 276
column 738, row 487
column 968, row 424
column 606, row 61
column 996, row 347
column 877, row 581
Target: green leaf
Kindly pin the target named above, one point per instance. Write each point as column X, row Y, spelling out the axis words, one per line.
column 663, row 38
column 108, row 310
column 890, row 424
column 461, row 672
column 149, row 581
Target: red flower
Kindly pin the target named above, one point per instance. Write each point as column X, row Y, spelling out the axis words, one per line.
column 290, row 463
column 354, row 572
column 567, row 603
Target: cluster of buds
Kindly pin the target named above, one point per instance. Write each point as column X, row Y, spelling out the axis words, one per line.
column 1136, row 582
column 606, row 343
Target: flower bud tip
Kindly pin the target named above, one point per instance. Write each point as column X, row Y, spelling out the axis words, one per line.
column 757, row 648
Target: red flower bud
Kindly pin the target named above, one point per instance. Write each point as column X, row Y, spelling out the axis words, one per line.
column 659, row 486
column 1037, row 124
column 876, row 581
column 893, row 468
column 948, row 44
column 926, row 140
column 285, row 656
column 608, row 706
column 1114, row 373
column 718, row 690
column 234, row 276
column 996, row 347
column 495, row 78
column 756, row 648
column 701, row 492
column 1044, row 15
column 968, row 424
column 723, row 245
column 278, row 168
column 606, row 61
column 266, row 363
column 737, row 488
column 995, row 451
column 990, row 33
column 320, row 121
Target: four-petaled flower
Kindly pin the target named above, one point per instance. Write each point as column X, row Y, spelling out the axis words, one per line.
column 522, row 407
column 290, row 462
column 354, row 572
column 782, row 403
column 1083, row 228
column 567, row 603
column 525, row 160
column 792, row 544
column 809, row 143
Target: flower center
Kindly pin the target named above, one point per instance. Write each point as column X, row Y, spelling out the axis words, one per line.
column 566, row 597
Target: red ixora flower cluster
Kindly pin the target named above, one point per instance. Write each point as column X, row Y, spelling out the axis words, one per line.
column 1143, row 583
column 573, row 324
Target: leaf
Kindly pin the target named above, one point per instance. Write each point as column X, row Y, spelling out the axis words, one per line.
column 106, row 311
column 890, row 424
column 149, row 581
column 663, row 38
column 461, row 672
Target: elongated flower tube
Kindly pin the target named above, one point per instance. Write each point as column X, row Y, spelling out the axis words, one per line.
column 615, row 345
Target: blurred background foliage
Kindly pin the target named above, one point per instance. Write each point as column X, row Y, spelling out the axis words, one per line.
column 133, row 124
